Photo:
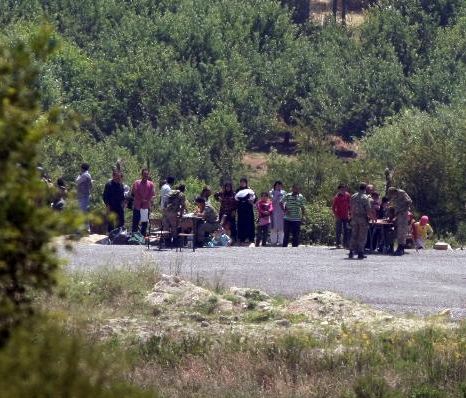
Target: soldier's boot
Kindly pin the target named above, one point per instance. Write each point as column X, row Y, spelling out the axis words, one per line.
column 351, row 254
column 361, row 256
column 400, row 250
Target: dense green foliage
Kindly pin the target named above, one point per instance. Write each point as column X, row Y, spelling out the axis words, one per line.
column 26, row 221
column 429, row 155
column 186, row 86
column 42, row 360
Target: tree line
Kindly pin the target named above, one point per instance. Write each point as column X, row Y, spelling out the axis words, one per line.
column 187, row 86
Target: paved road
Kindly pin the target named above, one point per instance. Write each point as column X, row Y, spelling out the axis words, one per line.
column 421, row 283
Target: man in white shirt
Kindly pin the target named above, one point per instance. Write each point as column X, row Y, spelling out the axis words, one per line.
column 165, row 192
column 83, row 188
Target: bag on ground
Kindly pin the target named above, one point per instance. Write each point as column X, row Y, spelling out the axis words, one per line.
column 136, row 238
column 118, row 236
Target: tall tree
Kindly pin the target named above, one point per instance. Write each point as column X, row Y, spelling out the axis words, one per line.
column 27, row 223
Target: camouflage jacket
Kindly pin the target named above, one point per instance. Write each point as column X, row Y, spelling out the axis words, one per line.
column 360, row 205
column 401, row 202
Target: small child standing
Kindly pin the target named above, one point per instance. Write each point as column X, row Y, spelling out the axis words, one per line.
column 423, row 232
column 264, row 210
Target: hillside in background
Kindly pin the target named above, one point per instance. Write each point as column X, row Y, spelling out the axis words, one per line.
column 186, row 87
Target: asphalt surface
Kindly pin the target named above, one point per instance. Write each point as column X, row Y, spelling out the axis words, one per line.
column 418, row 283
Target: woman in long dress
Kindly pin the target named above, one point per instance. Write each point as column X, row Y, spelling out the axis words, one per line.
column 276, row 232
column 245, row 198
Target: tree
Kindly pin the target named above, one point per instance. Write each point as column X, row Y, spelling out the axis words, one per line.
column 222, row 132
column 301, row 10
column 27, row 223
column 428, row 153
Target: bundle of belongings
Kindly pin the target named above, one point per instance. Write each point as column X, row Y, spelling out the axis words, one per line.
column 120, row 236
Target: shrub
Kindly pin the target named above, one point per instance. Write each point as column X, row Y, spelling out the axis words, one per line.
column 373, row 387
column 42, row 360
column 427, row 392
column 169, row 352
column 428, row 152
column 26, row 221
column 461, row 233
column 319, row 227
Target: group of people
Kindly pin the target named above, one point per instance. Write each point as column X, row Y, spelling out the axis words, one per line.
column 376, row 223
column 364, row 220
column 278, row 214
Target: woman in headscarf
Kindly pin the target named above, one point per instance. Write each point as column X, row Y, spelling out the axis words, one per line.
column 277, row 227
column 206, row 193
column 245, row 198
column 228, row 205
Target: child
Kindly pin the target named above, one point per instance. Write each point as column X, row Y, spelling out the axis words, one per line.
column 423, row 231
column 220, row 239
column 225, row 223
column 383, row 210
column 264, row 210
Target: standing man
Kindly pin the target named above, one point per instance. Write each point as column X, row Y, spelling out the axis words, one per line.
column 360, row 205
column 401, row 202
column 293, row 206
column 165, row 192
column 114, row 198
column 83, row 188
column 143, row 192
column 341, row 211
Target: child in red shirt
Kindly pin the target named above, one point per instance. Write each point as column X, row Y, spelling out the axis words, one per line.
column 264, row 210
column 341, row 210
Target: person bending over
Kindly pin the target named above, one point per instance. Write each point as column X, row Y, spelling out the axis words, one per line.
column 209, row 221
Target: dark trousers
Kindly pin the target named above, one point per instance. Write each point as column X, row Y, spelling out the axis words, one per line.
column 136, row 219
column 341, row 227
column 262, row 234
column 293, row 228
column 120, row 219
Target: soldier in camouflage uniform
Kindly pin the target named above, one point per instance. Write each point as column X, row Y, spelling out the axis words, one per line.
column 400, row 201
column 360, row 206
column 174, row 209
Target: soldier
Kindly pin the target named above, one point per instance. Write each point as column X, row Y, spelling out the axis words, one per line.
column 174, row 209
column 360, row 206
column 400, row 201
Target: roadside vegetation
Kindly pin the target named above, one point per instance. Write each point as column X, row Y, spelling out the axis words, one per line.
column 192, row 344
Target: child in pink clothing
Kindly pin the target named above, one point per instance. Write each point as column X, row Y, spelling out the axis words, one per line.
column 423, row 232
column 264, row 211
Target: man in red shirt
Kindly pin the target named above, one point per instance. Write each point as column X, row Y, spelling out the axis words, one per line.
column 341, row 210
column 143, row 192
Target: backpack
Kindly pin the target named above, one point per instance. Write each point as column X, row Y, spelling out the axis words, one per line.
column 175, row 200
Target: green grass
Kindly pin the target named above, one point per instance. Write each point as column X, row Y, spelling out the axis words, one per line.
column 208, row 306
column 108, row 292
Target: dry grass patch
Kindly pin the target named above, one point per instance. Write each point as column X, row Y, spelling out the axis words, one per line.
column 188, row 341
